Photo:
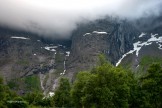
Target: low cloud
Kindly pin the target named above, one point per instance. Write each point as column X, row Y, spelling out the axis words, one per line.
column 58, row 18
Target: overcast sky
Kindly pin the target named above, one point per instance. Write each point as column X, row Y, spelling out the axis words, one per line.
column 59, row 17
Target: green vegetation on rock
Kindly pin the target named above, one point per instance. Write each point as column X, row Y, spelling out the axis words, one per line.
column 12, row 84
column 148, row 60
column 32, row 82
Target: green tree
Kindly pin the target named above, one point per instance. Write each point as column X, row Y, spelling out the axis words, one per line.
column 34, row 98
column 5, row 94
column 62, row 94
column 105, row 86
column 77, row 89
column 47, row 102
column 152, row 87
column 137, row 98
column 17, row 102
column 102, row 59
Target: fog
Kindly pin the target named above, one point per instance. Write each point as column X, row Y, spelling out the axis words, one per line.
column 58, row 18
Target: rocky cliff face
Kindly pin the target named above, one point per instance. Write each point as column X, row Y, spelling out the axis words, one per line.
column 116, row 39
column 110, row 37
column 26, row 59
column 27, row 62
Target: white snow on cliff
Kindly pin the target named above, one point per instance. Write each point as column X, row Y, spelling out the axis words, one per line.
column 67, row 53
column 97, row 32
column 142, row 34
column 86, row 34
column 51, row 48
column 138, row 45
column 15, row 37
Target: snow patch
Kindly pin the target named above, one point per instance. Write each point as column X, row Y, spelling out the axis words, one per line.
column 86, row 34
column 15, row 37
column 51, row 48
column 137, row 66
column 35, row 54
column 97, row 32
column 63, row 73
column 160, row 47
column 51, row 94
column 130, row 52
column 142, row 34
column 138, row 45
column 67, row 53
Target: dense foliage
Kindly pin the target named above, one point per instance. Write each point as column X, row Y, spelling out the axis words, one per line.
column 105, row 86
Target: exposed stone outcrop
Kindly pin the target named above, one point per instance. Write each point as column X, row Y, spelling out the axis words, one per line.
column 111, row 37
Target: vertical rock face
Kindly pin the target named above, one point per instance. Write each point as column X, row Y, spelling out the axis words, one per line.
column 27, row 62
column 121, row 40
column 23, row 55
column 110, row 37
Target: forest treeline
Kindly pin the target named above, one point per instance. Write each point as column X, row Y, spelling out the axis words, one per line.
column 105, row 86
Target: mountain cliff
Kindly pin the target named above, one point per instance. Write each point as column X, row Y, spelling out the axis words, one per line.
column 111, row 37
column 30, row 62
